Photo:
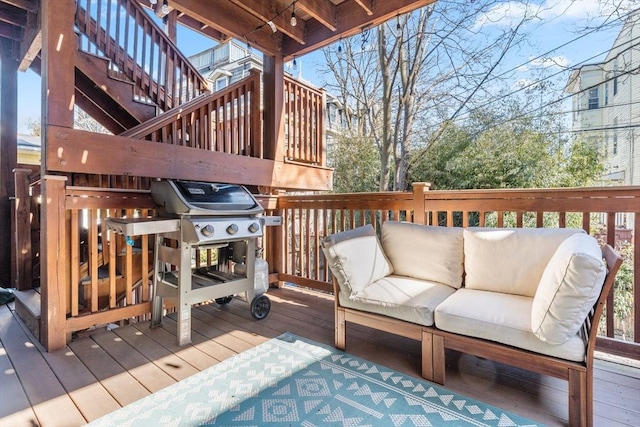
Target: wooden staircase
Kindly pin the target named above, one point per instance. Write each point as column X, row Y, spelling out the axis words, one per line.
column 127, row 70
column 107, row 99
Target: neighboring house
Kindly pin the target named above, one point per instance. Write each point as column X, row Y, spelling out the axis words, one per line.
column 226, row 63
column 606, row 109
column 29, row 150
column 606, row 106
column 230, row 62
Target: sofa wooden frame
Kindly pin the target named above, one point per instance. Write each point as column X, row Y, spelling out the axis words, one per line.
column 434, row 342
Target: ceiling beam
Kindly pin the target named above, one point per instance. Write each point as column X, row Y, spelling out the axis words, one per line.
column 28, row 5
column 264, row 12
column 352, row 19
column 9, row 31
column 366, row 5
column 322, row 11
column 13, row 15
column 201, row 28
column 31, row 43
column 230, row 19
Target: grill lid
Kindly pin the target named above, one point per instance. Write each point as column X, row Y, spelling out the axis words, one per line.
column 174, row 197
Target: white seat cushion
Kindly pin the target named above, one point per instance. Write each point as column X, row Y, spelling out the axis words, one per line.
column 355, row 258
column 402, row 298
column 502, row 318
column 568, row 289
column 424, row 252
column 510, row 260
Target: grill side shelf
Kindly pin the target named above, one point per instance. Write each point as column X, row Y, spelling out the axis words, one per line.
column 141, row 226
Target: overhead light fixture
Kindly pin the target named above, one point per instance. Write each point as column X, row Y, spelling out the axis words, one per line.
column 153, row 2
column 294, row 21
column 165, row 7
column 272, row 26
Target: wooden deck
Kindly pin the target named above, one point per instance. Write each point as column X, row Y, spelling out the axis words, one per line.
column 101, row 371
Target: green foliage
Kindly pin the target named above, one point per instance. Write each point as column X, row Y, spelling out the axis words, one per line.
column 623, row 286
column 356, row 162
column 490, row 152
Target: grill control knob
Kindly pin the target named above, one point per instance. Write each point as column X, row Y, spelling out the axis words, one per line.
column 232, row 229
column 253, row 227
column 207, row 230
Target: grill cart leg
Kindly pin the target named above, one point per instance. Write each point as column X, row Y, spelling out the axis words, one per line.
column 156, row 300
column 184, row 290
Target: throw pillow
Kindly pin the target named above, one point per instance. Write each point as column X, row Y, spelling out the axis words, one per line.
column 355, row 258
column 569, row 287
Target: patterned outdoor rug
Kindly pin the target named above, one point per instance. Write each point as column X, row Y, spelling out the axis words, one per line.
column 294, row 381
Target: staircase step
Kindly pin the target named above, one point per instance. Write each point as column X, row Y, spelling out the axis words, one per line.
column 114, row 96
column 27, row 306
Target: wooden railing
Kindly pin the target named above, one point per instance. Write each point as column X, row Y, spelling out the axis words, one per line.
column 139, row 51
column 227, row 121
column 107, row 280
column 307, row 219
column 304, row 123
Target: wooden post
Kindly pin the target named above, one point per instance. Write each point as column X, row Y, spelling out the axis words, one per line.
column 8, row 152
column 255, row 133
column 54, row 260
column 273, row 107
column 322, row 138
column 419, row 206
column 171, row 25
column 276, row 244
column 58, row 81
column 21, row 260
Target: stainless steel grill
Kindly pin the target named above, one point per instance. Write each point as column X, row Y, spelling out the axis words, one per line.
column 224, row 218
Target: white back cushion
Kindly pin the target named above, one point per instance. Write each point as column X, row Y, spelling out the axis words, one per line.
column 424, row 252
column 355, row 258
column 569, row 287
column 510, row 260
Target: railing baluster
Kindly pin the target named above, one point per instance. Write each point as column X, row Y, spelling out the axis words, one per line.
column 113, row 246
column 93, row 259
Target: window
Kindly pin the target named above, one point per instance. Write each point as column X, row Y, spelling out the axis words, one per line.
column 221, row 83
column 606, row 93
column 593, row 99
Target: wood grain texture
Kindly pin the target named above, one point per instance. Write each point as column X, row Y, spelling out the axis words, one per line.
column 230, row 328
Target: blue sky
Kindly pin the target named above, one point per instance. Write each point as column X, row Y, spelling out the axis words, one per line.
column 558, row 24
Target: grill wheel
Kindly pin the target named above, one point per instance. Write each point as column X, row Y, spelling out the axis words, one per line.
column 224, row 300
column 260, row 307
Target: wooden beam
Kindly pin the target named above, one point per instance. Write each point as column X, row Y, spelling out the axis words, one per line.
column 273, row 114
column 28, row 5
column 171, row 26
column 54, row 261
column 31, row 43
column 8, row 152
column 230, row 19
column 13, row 15
column 366, row 5
column 58, row 54
column 263, row 11
column 351, row 19
column 9, row 31
column 203, row 29
column 72, row 150
column 321, row 10
column 21, row 251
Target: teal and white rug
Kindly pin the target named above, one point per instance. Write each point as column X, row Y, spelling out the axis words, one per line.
column 293, row 381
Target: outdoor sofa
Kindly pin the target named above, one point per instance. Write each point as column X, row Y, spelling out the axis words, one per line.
column 527, row 297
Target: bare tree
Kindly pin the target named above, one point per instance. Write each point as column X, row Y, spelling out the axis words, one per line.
column 419, row 71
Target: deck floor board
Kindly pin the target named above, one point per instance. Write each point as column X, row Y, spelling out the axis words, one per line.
column 103, row 370
column 48, row 399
